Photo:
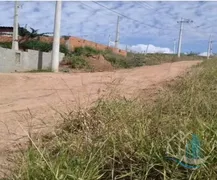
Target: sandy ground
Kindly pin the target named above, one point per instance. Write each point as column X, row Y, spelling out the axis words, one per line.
column 30, row 102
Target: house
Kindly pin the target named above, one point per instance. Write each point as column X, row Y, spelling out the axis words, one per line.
column 6, row 31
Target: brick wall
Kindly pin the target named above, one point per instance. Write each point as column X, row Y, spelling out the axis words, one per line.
column 50, row 40
column 73, row 42
column 5, row 39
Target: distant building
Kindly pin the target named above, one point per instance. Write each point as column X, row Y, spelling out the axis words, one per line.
column 6, row 31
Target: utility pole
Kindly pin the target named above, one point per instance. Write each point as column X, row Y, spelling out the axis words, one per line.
column 109, row 40
column 174, row 46
column 180, row 32
column 56, row 38
column 146, row 51
column 117, row 33
column 15, row 27
column 209, row 47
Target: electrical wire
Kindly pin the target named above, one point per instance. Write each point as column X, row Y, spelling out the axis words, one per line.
column 132, row 19
column 127, row 17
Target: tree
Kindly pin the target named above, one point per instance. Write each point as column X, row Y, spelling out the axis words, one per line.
column 26, row 35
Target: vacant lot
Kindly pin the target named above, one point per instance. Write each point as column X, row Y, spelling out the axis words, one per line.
column 30, row 102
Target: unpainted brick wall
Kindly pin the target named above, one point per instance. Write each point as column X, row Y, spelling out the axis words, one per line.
column 72, row 43
column 77, row 42
column 50, row 40
column 5, row 39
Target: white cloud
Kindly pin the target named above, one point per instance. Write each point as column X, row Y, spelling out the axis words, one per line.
column 142, row 48
column 203, row 54
column 150, row 49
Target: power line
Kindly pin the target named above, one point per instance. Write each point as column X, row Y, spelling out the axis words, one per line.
column 143, row 5
column 127, row 17
column 152, row 10
column 135, row 20
column 156, row 11
column 148, row 5
column 115, row 13
column 199, row 32
column 93, row 9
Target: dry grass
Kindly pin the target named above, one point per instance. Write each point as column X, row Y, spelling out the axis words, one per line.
column 128, row 140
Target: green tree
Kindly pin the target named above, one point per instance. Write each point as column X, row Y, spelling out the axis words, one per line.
column 26, row 35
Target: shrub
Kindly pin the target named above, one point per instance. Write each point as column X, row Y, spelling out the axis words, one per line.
column 117, row 61
column 135, row 60
column 36, row 45
column 7, row 45
column 86, row 51
column 64, row 49
column 77, row 62
column 41, row 46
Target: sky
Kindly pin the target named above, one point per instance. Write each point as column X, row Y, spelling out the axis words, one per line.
column 142, row 24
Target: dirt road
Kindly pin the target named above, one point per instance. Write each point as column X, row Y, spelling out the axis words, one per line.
column 27, row 99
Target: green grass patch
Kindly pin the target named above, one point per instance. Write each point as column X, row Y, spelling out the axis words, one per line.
column 39, row 70
column 159, row 58
column 86, row 51
column 7, row 45
column 78, row 56
column 76, row 62
column 123, row 139
column 117, row 61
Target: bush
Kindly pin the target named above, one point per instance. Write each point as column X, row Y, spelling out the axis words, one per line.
column 86, row 51
column 135, row 60
column 36, row 45
column 77, row 62
column 41, row 46
column 64, row 49
column 117, row 61
column 7, row 45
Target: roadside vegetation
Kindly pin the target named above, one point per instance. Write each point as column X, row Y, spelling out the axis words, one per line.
column 124, row 139
column 80, row 57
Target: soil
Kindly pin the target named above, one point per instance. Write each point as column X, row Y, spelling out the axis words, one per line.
column 96, row 63
column 99, row 64
column 32, row 102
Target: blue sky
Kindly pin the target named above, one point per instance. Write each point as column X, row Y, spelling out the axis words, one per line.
column 155, row 23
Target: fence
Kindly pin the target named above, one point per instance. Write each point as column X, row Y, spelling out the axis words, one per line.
column 15, row 61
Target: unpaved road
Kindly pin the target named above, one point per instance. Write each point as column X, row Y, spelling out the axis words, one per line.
column 27, row 99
